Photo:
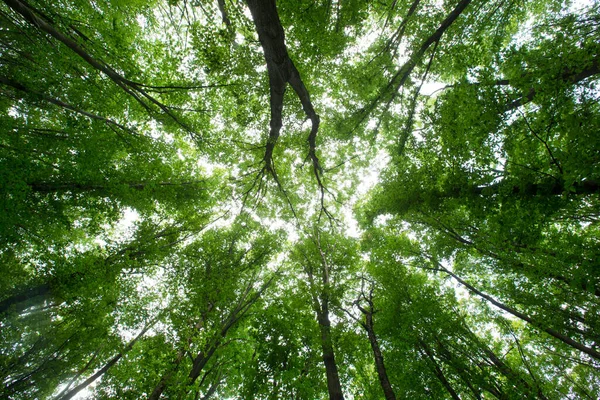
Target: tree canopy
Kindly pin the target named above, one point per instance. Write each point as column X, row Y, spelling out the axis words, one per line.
column 293, row 199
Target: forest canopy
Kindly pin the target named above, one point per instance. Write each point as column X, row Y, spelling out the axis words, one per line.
column 296, row 199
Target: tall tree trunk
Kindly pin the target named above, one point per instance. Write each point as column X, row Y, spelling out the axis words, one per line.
column 281, row 70
column 379, row 364
column 108, row 365
column 437, row 370
column 368, row 325
column 22, row 300
column 321, row 307
column 563, row 338
column 334, row 386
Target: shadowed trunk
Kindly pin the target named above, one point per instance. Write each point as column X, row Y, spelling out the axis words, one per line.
column 368, row 325
column 321, row 307
column 381, row 371
column 437, row 370
column 563, row 338
column 281, row 70
column 25, row 299
column 108, row 365
column 333, row 378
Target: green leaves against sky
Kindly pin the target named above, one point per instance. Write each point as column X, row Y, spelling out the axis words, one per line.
column 334, row 199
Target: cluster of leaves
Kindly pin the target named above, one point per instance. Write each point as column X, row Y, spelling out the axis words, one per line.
column 144, row 251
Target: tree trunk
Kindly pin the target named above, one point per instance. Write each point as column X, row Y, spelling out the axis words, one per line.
column 437, row 370
column 334, row 386
column 108, row 365
column 21, row 301
column 200, row 361
column 565, row 339
column 281, row 70
column 379, row 364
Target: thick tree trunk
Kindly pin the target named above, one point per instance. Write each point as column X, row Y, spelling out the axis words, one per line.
column 21, row 301
column 379, row 364
column 200, row 361
column 282, row 71
column 334, row 386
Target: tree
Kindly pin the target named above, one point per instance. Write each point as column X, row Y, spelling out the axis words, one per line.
column 416, row 218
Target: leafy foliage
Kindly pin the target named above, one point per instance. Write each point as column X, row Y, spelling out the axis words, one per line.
column 299, row 199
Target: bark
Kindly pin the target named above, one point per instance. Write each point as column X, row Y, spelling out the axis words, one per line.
column 281, row 71
column 202, row 358
column 379, row 364
column 334, row 386
column 368, row 325
column 321, row 307
column 568, row 75
column 563, row 338
column 21, row 301
column 107, row 366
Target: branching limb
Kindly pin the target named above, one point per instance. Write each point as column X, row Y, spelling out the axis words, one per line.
column 131, row 88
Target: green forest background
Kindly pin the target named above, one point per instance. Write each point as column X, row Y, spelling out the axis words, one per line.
column 308, row 199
